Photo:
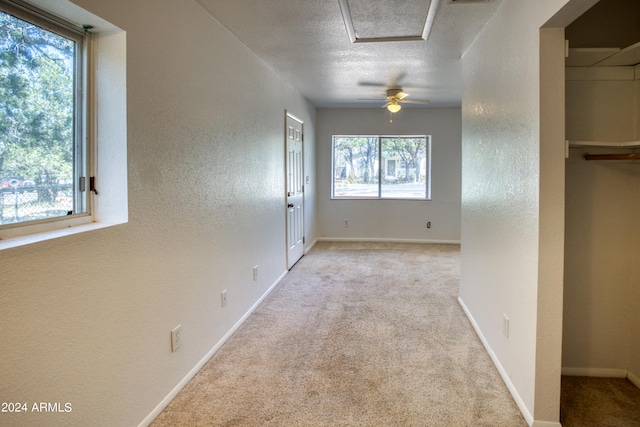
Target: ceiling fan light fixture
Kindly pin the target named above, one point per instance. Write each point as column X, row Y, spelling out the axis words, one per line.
column 393, row 106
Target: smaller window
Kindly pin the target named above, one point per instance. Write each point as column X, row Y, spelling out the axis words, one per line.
column 381, row 167
column 42, row 118
column 51, row 179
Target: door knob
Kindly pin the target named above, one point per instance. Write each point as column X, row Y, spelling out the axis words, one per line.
column 290, row 205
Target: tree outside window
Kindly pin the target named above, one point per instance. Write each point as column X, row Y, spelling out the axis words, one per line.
column 38, row 121
column 384, row 167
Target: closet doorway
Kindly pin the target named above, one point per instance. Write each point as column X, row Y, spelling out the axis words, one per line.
column 601, row 310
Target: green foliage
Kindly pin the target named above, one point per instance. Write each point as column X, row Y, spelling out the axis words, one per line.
column 410, row 150
column 359, row 154
column 36, row 102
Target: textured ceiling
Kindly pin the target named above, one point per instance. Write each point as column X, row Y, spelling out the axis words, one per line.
column 306, row 42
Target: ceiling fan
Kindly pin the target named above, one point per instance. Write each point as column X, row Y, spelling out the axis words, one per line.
column 396, row 96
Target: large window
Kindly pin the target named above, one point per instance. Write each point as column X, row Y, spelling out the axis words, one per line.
column 381, row 167
column 43, row 154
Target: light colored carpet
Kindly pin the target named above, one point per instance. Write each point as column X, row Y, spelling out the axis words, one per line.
column 357, row 334
column 602, row 402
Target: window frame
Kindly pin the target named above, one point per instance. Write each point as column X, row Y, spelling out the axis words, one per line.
column 83, row 120
column 380, row 139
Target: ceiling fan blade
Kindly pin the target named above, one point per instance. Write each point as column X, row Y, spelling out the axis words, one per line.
column 401, row 95
column 415, row 101
column 393, row 81
column 371, row 84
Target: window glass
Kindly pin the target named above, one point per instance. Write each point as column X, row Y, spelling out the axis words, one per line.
column 40, row 121
column 404, row 166
column 385, row 167
column 355, row 166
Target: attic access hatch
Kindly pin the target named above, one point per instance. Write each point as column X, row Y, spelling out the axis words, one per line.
column 384, row 21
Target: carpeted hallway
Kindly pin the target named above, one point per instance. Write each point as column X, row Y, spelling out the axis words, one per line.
column 357, row 334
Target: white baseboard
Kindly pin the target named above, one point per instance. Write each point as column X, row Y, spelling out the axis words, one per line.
column 308, row 248
column 192, row 373
column 602, row 373
column 633, row 378
column 507, row 381
column 545, row 424
column 594, row 372
column 386, row 240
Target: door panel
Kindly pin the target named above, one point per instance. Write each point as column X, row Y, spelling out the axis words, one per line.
column 295, row 191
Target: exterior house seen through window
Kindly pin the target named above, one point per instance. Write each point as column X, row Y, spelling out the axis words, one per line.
column 381, row 167
column 42, row 143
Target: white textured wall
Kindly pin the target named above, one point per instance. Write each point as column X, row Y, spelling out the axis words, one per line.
column 393, row 219
column 602, row 315
column 86, row 318
column 511, row 210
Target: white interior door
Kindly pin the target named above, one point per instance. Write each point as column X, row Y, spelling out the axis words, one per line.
column 295, row 191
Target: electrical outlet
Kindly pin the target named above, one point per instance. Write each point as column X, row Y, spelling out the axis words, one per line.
column 505, row 326
column 428, row 224
column 176, row 338
column 224, row 298
column 255, row 273
column 346, row 222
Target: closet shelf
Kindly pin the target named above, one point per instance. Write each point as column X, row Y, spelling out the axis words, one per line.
column 627, row 144
column 606, row 144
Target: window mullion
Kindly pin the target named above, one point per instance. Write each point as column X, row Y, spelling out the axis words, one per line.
column 379, row 168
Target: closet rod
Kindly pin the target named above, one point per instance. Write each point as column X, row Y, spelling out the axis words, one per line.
column 625, row 156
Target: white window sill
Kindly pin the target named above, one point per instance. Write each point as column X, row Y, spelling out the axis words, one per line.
column 28, row 239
